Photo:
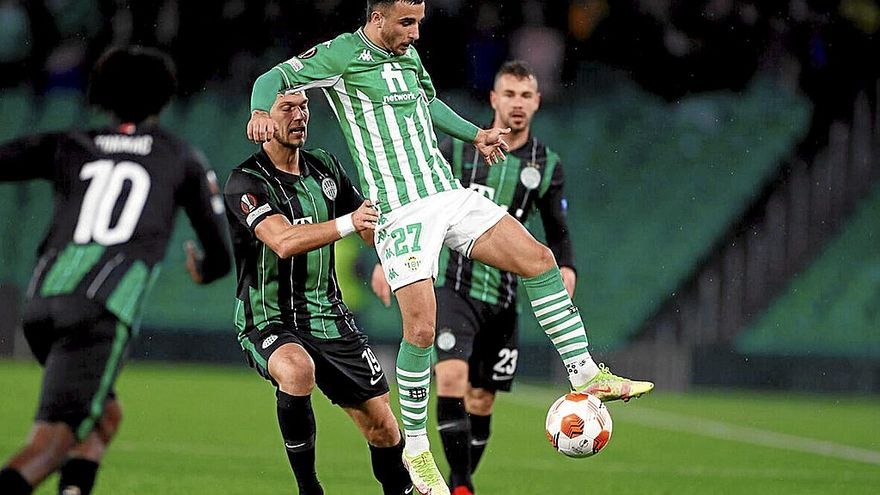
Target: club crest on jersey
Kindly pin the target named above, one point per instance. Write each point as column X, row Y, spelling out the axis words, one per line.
column 248, row 203
column 329, row 188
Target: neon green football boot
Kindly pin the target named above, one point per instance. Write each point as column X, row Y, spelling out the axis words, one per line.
column 607, row 386
column 424, row 474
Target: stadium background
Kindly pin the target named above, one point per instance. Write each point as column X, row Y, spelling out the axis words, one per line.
column 721, row 158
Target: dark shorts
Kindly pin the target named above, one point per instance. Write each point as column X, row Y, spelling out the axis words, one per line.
column 346, row 370
column 484, row 335
column 82, row 347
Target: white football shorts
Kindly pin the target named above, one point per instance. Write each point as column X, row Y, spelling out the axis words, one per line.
column 409, row 238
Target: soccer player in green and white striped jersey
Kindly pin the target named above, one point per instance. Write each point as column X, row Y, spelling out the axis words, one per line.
column 387, row 108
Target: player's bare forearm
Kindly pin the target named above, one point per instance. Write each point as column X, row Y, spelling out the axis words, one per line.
column 288, row 240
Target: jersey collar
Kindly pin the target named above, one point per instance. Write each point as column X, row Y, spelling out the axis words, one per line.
column 360, row 32
column 304, row 167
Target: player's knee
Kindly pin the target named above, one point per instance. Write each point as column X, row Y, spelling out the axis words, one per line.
column 542, row 261
column 452, row 378
column 294, row 376
column 421, row 332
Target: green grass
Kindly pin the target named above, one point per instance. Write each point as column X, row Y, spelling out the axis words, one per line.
column 206, row 430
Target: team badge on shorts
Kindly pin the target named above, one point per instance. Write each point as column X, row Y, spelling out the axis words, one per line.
column 412, row 263
column 329, row 188
column 530, row 177
column 445, row 341
column 269, row 341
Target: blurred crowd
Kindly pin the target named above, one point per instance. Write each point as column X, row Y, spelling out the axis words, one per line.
column 671, row 47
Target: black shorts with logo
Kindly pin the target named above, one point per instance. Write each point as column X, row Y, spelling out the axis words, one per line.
column 346, row 370
column 484, row 335
column 82, row 347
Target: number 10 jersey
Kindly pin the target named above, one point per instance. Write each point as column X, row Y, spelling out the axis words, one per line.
column 116, row 194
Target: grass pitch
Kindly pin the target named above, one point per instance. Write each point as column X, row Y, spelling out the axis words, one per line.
column 212, row 430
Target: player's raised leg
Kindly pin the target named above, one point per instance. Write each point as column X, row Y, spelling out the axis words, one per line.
column 418, row 308
column 379, row 426
column 510, row 247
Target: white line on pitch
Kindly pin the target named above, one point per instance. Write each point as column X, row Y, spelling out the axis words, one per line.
column 726, row 431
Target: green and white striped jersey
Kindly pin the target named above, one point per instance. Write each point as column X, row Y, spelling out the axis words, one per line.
column 387, row 108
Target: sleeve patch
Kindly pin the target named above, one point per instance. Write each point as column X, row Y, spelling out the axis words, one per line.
column 254, row 215
column 248, row 203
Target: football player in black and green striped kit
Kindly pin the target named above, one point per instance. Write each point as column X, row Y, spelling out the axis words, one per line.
column 117, row 191
column 286, row 207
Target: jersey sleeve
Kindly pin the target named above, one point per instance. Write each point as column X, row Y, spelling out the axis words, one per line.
column 28, row 158
column 451, row 123
column 553, row 208
column 318, row 67
column 248, row 200
column 201, row 200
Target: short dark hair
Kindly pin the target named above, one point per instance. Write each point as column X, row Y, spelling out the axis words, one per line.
column 515, row 68
column 132, row 82
column 374, row 5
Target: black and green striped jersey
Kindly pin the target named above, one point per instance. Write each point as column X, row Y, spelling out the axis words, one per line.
column 116, row 194
column 530, row 178
column 300, row 292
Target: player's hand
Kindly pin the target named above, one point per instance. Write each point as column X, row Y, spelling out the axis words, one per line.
column 365, row 217
column 194, row 259
column 490, row 143
column 261, row 127
column 380, row 285
column 569, row 278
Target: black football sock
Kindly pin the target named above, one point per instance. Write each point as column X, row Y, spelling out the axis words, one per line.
column 452, row 424
column 479, row 438
column 388, row 468
column 77, row 477
column 12, row 483
column 297, row 422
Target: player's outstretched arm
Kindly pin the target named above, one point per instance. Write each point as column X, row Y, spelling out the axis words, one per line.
column 489, row 143
column 288, row 240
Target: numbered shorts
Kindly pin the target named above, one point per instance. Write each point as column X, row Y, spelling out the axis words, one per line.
column 484, row 335
column 81, row 347
column 409, row 239
column 346, row 370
